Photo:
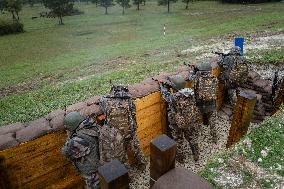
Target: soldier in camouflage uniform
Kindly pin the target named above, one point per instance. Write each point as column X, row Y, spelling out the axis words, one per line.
column 234, row 72
column 183, row 115
column 118, row 135
column 82, row 146
column 205, row 86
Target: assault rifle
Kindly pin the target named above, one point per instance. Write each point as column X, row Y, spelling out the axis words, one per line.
column 166, row 94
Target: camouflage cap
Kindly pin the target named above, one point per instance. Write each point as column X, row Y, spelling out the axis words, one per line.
column 72, row 120
column 177, row 81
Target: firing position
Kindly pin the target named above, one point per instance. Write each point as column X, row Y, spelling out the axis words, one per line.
column 234, row 72
column 119, row 132
column 205, row 88
column 183, row 115
column 82, row 147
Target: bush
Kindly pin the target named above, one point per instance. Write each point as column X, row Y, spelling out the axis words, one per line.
column 10, row 27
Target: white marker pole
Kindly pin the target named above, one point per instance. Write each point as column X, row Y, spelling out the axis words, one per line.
column 164, row 30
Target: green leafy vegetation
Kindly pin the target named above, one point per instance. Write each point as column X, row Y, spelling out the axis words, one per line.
column 271, row 56
column 8, row 27
column 257, row 159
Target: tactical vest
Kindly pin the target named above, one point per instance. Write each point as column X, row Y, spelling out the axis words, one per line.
column 119, row 126
column 86, row 161
column 205, row 86
column 182, row 108
column 235, row 70
column 186, row 112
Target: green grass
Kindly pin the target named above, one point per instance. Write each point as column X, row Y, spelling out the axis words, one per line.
column 269, row 135
column 53, row 57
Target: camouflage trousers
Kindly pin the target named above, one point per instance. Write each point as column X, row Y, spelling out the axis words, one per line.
column 191, row 135
column 134, row 146
column 92, row 181
column 212, row 118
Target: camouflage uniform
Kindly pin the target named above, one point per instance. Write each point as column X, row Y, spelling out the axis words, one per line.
column 81, row 148
column 205, row 86
column 118, row 135
column 234, row 72
column 184, row 119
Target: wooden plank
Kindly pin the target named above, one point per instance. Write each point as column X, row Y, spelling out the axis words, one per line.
column 147, row 101
column 38, row 163
column 57, row 178
column 162, row 158
column 73, row 181
column 35, row 147
column 220, row 95
column 151, row 119
column 148, row 111
column 154, row 119
column 145, row 139
column 241, row 117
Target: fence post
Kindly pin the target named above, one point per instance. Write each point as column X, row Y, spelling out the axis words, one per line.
column 113, row 175
column 241, row 116
column 162, row 157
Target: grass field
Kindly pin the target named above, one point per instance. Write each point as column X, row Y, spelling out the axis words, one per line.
column 255, row 162
column 51, row 66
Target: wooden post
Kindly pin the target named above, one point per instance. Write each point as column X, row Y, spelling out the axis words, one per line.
column 220, row 95
column 241, row 116
column 279, row 98
column 162, row 157
column 113, row 175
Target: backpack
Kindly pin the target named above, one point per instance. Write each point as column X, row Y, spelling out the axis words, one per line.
column 118, row 132
column 205, row 86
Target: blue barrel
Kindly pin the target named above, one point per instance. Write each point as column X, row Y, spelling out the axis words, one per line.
column 239, row 41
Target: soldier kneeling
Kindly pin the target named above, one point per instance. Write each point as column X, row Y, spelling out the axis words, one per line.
column 183, row 115
column 82, row 147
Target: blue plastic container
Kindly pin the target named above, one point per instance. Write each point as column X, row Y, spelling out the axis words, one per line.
column 239, row 41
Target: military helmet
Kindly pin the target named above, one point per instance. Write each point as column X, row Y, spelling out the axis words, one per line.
column 235, row 51
column 204, row 67
column 72, row 120
column 177, row 81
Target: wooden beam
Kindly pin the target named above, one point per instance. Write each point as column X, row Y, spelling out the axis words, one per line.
column 39, row 164
column 162, row 157
column 279, row 98
column 241, row 116
column 113, row 175
column 220, row 95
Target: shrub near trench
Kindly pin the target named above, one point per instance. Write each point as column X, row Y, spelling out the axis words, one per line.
column 7, row 27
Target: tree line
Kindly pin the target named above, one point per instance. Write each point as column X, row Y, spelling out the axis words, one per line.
column 60, row 7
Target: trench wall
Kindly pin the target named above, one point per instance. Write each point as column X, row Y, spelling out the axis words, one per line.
column 30, row 152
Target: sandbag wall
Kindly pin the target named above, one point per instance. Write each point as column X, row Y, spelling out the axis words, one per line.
column 263, row 90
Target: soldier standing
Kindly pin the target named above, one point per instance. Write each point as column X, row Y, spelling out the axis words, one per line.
column 205, row 86
column 119, row 132
column 234, row 72
column 183, row 115
column 82, row 146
